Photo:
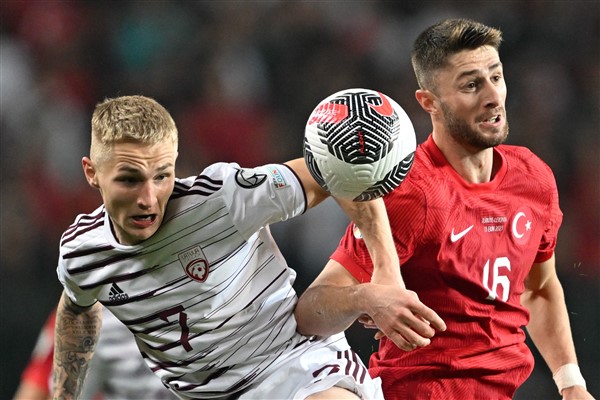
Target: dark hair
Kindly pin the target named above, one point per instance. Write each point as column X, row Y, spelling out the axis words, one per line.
column 436, row 43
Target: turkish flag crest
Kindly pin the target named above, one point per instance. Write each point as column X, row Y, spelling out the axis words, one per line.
column 521, row 225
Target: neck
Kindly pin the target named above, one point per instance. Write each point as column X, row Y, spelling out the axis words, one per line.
column 473, row 165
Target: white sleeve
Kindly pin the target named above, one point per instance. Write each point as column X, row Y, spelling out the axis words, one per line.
column 76, row 295
column 257, row 197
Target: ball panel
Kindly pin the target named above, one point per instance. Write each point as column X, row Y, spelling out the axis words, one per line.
column 390, row 181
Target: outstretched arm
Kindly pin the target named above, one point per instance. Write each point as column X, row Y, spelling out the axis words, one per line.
column 335, row 300
column 550, row 330
column 369, row 216
column 76, row 334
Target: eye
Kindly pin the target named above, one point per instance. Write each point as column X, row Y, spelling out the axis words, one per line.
column 471, row 86
column 128, row 180
column 162, row 177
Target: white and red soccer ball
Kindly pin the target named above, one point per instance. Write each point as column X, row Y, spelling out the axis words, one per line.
column 359, row 144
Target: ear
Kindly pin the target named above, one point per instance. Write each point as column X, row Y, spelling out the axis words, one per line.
column 427, row 100
column 90, row 172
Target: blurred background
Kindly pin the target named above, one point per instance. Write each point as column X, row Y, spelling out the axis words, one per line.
column 240, row 79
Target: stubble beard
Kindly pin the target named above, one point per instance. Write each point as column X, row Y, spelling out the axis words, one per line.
column 462, row 132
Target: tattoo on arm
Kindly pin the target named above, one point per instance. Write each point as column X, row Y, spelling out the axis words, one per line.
column 76, row 335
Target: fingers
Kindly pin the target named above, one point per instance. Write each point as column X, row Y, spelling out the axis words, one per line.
column 367, row 322
column 407, row 335
column 426, row 314
column 407, row 341
column 409, row 324
column 430, row 317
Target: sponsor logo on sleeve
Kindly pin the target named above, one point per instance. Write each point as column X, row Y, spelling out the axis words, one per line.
column 277, row 178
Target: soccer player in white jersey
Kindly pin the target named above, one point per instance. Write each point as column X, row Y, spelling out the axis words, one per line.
column 190, row 267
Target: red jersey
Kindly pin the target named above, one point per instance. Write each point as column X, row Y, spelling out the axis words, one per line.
column 466, row 250
column 38, row 371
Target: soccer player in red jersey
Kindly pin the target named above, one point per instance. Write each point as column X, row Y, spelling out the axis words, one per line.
column 475, row 225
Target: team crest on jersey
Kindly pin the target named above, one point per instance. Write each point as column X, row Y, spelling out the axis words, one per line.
column 521, row 225
column 194, row 264
column 248, row 178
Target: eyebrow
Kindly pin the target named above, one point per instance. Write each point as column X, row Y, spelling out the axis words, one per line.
column 126, row 168
column 474, row 71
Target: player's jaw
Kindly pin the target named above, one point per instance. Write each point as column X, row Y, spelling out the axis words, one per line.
column 487, row 130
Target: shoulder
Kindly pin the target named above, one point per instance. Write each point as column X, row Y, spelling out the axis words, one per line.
column 220, row 175
column 206, row 183
column 425, row 178
column 522, row 154
column 85, row 225
column 528, row 164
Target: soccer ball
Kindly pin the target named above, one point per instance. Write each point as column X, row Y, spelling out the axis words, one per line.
column 359, row 144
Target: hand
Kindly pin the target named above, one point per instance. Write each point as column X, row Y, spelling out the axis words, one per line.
column 576, row 393
column 399, row 314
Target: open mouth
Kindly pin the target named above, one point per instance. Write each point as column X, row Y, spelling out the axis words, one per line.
column 144, row 220
column 494, row 119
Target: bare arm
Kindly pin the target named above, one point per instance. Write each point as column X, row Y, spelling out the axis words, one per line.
column 549, row 326
column 369, row 216
column 76, row 335
column 335, row 300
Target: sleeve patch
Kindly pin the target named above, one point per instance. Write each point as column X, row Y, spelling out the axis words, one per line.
column 277, row 177
column 249, row 178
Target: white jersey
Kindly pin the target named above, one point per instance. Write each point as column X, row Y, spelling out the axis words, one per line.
column 209, row 296
column 117, row 371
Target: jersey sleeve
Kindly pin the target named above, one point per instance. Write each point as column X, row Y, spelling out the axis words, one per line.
column 77, row 296
column 261, row 196
column 555, row 216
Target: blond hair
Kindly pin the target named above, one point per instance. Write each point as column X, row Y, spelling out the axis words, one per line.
column 137, row 119
column 438, row 42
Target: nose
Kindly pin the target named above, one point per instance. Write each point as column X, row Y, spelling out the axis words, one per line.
column 493, row 94
column 146, row 196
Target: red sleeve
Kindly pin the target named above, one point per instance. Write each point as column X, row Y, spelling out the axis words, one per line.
column 354, row 256
column 39, row 370
column 555, row 216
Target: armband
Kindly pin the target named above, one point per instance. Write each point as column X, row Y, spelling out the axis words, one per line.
column 567, row 376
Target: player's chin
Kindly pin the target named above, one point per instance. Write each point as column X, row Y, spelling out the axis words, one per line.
column 138, row 235
column 490, row 138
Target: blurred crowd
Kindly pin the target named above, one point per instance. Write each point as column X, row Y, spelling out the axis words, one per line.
column 240, row 79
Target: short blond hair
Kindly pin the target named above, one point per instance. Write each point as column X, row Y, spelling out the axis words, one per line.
column 438, row 42
column 130, row 119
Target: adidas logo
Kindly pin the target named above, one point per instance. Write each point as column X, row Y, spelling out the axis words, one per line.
column 116, row 293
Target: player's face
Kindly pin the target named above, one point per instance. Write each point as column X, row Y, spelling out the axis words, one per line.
column 472, row 95
column 135, row 182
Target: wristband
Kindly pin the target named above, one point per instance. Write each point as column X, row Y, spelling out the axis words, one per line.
column 567, row 376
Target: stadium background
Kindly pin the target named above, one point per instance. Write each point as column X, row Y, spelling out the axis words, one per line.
column 240, row 79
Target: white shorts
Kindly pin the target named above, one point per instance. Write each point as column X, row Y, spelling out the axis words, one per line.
column 316, row 366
